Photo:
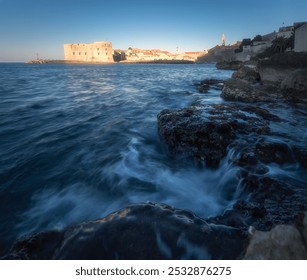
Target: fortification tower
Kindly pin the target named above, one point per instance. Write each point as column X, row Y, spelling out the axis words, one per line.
column 96, row 52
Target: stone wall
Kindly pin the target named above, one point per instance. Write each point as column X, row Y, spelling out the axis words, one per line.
column 300, row 43
column 95, row 52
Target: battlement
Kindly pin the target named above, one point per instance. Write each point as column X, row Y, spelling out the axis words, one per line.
column 84, row 52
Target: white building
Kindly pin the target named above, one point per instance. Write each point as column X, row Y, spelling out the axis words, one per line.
column 300, row 38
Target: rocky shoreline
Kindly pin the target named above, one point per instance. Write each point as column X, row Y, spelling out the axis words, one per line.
column 268, row 219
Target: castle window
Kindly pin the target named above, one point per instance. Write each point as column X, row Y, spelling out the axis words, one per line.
column 98, row 53
column 79, row 53
column 106, row 53
column 73, row 53
column 106, row 49
column 97, row 49
column 85, row 53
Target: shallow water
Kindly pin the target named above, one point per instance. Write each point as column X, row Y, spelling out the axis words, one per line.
column 81, row 141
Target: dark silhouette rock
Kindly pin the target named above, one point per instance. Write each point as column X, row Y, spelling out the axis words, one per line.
column 205, row 132
column 294, row 86
column 144, row 231
column 241, row 90
column 274, row 152
column 247, row 73
column 205, row 85
column 229, row 65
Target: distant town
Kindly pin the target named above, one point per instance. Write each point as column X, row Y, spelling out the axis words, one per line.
column 287, row 38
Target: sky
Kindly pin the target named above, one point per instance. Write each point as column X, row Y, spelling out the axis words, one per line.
column 31, row 27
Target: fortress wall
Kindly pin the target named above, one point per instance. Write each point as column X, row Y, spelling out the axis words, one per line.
column 96, row 52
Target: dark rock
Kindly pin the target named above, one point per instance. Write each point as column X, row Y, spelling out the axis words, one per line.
column 229, row 65
column 268, row 202
column 248, row 74
column 294, row 86
column 241, row 90
column 207, row 84
column 301, row 156
column 274, row 152
column 144, row 231
column 283, row 242
column 204, row 132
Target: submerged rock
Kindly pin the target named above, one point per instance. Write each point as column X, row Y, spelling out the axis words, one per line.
column 144, row 231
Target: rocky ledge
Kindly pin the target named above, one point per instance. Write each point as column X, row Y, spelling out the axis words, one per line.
column 144, row 231
column 280, row 78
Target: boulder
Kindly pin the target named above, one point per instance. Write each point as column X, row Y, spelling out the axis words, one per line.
column 228, row 65
column 204, row 133
column 241, row 90
column 277, row 152
column 283, row 242
column 246, row 73
column 294, row 86
column 142, row 231
column 205, row 85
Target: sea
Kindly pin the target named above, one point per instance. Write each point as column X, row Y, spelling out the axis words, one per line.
column 78, row 142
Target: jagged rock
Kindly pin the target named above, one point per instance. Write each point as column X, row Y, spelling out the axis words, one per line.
column 143, row 231
column 274, row 152
column 205, row 85
column 283, row 242
column 228, row 65
column 294, row 86
column 204, row 132
column 241, row 90
column 247, row 73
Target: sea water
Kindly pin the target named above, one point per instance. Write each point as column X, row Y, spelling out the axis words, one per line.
column 80, row 141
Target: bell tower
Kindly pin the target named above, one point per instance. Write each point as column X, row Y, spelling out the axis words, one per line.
column 223, row 39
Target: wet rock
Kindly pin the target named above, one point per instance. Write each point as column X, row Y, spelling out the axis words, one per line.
column 205, row 85
column 281, row 66
column 241, row 90
column 294, row 86
column 301, row 156
column 283, row 242
column 229, row 65
column 205, row 132
column 144, row 231
column 277, row 152
column 248, row 74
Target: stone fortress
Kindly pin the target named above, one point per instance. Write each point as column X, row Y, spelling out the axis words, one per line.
column 102, row 52
column 99, row 52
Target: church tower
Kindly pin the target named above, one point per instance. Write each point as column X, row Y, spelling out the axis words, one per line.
column 223, row 39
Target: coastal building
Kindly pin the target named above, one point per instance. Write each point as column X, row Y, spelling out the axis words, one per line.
column 300, row 37
column 99, row 52
column 285, row 32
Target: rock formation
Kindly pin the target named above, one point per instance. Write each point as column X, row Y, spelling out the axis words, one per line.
column 145, row 231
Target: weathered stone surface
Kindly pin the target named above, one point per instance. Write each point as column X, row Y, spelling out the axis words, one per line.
column 274, row 152
column 207, row 84
column 144, row 231
column 229, row 65
column 241, row 90
column 204, row 132
column 282, row 242
column 247, row 73
column 270, row 202
column 294, row 86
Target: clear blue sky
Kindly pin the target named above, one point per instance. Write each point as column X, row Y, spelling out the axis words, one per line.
column 28, row 27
